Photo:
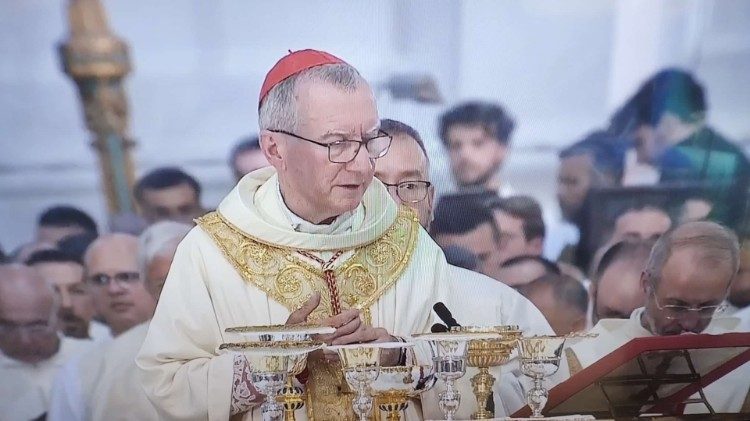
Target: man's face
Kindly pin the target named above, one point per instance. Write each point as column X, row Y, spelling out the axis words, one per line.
column 51, row 234
column 308, row 178
column 512, row 238
column 247, row 162
column 686, row 280
column 618, row 291
column 27, row 329
column 76, row 302
column 404, row 162
column 573, row 184
column 156, row 273
column 641, row 225
column 123, row 304
column 520, row 273
column 178, row 203
column 480, row 241
column 475, row 155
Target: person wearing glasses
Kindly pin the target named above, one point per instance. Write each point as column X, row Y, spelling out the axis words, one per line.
column 104, row 383
column 686, row 280
column 114, row 279
column 405, row 172
column 311, row 238
column 31, row 348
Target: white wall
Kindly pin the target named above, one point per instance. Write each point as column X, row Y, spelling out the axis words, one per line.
column 559, row 67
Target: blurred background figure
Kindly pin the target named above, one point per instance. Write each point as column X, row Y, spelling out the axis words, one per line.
column 646, row 223
column 76, row 303
column 521, row 270
column 246, row 157
column 405, row 170
column 31, row 350
column 521, row 225
column 562, row 300
column 477, row 137
column 616, row 288
column 169, row 193
column 53, row 225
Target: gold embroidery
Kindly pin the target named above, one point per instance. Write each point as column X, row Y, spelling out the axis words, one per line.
column 361, row 280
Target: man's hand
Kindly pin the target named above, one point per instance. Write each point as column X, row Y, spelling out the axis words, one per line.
column 300, row 315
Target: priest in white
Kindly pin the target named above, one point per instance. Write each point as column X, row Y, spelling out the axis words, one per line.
column 686, row 279
column 31, row 348
column 316, row 226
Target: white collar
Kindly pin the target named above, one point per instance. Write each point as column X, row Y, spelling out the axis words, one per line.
column 340, row 225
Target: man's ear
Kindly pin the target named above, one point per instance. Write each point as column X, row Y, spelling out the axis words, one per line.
column 272, row 144
column 645, row 285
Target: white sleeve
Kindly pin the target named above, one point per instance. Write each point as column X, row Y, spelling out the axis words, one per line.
column 66, row 400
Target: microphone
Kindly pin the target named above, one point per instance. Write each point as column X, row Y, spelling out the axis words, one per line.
column 445, row 315
column 461, row 257
column 438, row 328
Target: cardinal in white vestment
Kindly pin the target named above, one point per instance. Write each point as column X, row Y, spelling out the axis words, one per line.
column 686, row 279
column 314, row 231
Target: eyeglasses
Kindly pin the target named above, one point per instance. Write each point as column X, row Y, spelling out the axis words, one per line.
column 124, row 279
column 411, row 191
column 678, row 312
column 344, row 151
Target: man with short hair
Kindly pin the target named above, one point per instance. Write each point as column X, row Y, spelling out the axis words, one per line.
column 168, row 193
column 104, row 383
column 462, row 220
column 246, row 156
column 521, row 270
column 477, row 135
column 685, row 281
column 30, row 349
column 562, row 300
column 519, row 219
column 76, row 304
column 404, row 170
column 58, row 222
column 646, row 223
column 312, row 239
column 115, row 280
column 616, row 287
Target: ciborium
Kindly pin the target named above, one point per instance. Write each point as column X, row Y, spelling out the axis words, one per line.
column 396, row 384
column 449, row 352
column 290, row 396
column 486, row 353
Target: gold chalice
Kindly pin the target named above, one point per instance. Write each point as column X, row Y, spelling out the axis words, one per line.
column 290, row 396
column 486, row 353
column 395, row 385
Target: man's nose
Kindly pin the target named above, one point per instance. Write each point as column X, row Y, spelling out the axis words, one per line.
column 690, row 322
column 65, row 301
column 114, row 287
column 362, row 161
column 393, row 191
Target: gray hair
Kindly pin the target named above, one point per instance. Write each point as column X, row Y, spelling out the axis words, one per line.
column 158, row 239
column 715, row 243
column 278, row 110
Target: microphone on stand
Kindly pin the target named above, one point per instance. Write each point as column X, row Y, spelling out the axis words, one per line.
column 445, row 315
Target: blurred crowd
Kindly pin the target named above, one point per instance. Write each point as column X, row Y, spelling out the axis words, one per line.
column 656, row 164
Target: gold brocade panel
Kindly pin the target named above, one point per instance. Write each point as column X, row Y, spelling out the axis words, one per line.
column 284, row 276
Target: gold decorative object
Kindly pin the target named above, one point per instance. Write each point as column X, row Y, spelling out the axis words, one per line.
column 98, row 62
column 395, row 385
column 486, row 353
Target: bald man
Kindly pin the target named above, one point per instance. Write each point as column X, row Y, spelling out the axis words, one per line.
column 616, row 287
column 685, row 281
column 32, row 350
column 562, row 299
column 108, row 386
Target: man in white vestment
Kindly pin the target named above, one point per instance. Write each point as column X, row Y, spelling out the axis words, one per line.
column 686, row 279
column 31, row 348
column 405, row 172
column 313, row 229
column 103, row 384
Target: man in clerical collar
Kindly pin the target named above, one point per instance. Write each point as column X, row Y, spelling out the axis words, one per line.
column 686, row 279
column 31, row 349
column 405, row 172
